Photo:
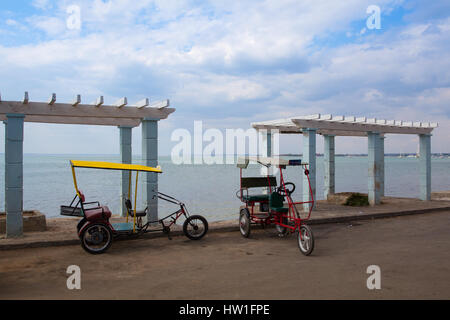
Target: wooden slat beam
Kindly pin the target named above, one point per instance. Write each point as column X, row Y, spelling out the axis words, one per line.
column 82, row 110
column 77, row 100
column 345, row 126
column 81, row 120
column 121, row 102
column 26, row 98
column 143, row 103
column 160, row 104
column 98, row 102
column 370, row 125
column 52, row 99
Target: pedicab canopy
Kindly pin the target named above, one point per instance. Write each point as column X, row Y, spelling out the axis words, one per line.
column 268, row 161
column 113, row 166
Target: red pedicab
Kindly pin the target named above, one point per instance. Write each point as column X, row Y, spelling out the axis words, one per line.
column 272, row 209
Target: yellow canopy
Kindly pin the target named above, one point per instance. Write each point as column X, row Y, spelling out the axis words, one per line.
column 112, row 166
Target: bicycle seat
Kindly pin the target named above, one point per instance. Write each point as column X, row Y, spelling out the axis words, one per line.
column 139, row 213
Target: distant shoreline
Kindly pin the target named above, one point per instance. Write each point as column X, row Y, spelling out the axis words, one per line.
column 443, row 154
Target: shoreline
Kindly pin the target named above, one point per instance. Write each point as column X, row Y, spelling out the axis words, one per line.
column 62, row 231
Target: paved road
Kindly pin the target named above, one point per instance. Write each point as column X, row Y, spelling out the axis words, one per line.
column 413, row 253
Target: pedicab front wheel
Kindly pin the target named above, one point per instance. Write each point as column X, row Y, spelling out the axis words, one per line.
column 96, row 238
column 244, row 222
column 305, row 240
column 195, row 227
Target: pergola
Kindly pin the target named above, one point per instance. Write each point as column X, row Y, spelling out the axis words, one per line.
column 375, row 130
column 15, row 113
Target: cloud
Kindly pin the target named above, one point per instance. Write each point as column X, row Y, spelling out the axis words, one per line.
column 232, row 63
column 41, row 4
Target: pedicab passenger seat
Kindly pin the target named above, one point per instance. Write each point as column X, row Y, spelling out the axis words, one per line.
column 96, row 212
column 139, row 213
column 276, row 203
column 257, row 182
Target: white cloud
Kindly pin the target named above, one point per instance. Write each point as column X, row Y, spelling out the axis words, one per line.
column 41, row 4
column 238, row 62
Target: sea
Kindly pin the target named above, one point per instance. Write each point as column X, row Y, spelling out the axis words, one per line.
column 208, row 190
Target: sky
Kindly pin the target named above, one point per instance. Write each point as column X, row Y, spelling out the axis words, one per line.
column 229, row 63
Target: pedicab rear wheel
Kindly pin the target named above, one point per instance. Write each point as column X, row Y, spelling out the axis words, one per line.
column 244, row 222
column 195, row 227
column 96, row 238
column 306, row 240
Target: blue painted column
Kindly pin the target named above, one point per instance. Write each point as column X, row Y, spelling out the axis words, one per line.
column 150, row 158
column 382, row 175
column 329, row 162
column 125, row 157
column 309, row 156
column 425, row 166
column 374, row 173
column 14, row 174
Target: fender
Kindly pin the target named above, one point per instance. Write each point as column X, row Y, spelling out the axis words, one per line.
column 87, row 223
column 80, row 224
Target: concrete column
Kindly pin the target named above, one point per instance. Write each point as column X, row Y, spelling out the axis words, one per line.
column 382, row 175
column 150, row 158
column 374, row 174
column 266, row 151
column 425, row 166
column 329, row 161
column 309, row 156
column 125, row 157
column 14, row 174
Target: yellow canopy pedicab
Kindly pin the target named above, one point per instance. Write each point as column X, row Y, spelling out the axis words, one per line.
column 96, row 232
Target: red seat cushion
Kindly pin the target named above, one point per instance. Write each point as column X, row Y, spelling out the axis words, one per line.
column 97, row 213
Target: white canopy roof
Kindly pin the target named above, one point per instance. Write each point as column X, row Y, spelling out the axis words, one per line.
column 243, row 162
column 345, row 125
column 95, row 113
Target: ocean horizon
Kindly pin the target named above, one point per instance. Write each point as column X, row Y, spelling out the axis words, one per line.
column 209, row 190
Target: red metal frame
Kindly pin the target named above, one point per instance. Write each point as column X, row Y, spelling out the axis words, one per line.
column 277, row 218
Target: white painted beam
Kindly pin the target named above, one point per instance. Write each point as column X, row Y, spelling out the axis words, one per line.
column 160, row 104
column 82, row 110
column 362, row 127
column 349, row 119
column 105, row 121
column 25, row 98
column 345, row 126
column 77, row 100
column 143, row 103
column 311, row 117
column 390, row 122
column 52, row 99
column 121, row 102
column 98, row 102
